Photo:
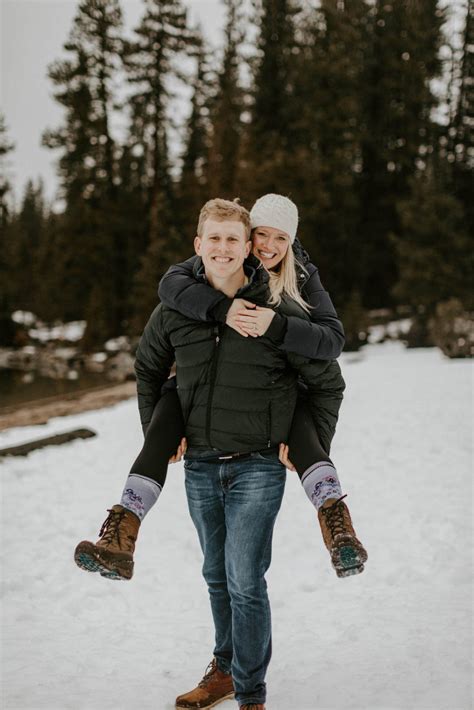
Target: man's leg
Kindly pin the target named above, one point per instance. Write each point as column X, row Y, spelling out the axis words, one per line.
column 254, row 491
column 205, row 495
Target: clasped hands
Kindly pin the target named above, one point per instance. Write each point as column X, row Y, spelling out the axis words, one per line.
column 248, row 319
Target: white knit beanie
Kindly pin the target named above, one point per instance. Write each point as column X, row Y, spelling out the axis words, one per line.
column 275, row 211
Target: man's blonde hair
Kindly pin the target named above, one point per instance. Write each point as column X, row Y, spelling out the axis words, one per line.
column 221, row 210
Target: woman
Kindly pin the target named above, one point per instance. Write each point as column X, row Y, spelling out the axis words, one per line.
column 274, row 221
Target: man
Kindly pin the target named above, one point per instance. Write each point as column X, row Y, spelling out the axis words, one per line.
column 237, row 395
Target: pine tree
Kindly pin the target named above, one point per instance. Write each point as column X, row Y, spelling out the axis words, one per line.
column 152, row 67
column 267, row 160
column 435, row 252
column 7, row 286
column 88, row 163
column 227, row 108
column 26, row 233
column 331, row 83
column 193, row 186
column 85, row 84
column 434, row 248
column 51, row 268
column 397, row 130
column 6, row 147
column 462, row 129
column 164, row 248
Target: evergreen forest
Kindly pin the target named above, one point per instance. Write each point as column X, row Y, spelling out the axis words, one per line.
column 361, row 111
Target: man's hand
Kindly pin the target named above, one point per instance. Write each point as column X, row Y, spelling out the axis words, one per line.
column 180, row 452
column 239, row 306
column 251, row 320
column 283, row 456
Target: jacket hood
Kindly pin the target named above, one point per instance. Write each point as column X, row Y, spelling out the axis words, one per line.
column 302, row 259
column 300, row 253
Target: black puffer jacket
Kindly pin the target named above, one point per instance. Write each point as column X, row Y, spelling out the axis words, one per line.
column 237, row 394
column 321, row 336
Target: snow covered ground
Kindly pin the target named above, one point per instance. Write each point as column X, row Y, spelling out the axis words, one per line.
column 398, row 637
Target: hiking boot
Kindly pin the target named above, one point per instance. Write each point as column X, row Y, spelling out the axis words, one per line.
column 112, row 554
column 347, row 552
column 215, row 687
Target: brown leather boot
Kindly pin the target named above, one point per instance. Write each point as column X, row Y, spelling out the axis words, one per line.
column 347, row 552
column 112, row 554
column 215, row 687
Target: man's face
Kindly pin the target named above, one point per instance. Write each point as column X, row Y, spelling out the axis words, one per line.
column 222, row 246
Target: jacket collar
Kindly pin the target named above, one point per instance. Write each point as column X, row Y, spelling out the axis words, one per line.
column 302, row 259
column 253, row 269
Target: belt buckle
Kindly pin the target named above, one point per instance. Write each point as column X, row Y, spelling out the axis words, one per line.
column 231, row 456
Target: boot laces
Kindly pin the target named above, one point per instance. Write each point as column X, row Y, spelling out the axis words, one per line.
column 111, row 526
column 209, row 672
column 334, row 516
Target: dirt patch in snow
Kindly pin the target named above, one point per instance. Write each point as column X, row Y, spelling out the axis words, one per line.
column 41, row 411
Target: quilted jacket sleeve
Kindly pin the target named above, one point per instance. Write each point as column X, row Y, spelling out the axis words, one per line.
column 323, row 336
column 153, row 362
column 180, row 290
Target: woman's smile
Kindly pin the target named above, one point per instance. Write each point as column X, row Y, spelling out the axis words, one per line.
column 266, row 254
column 270, row 245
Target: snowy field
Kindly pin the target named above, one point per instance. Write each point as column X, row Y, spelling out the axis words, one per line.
column 398, row 637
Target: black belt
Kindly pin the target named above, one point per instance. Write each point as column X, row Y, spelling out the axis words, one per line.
column 246, row 455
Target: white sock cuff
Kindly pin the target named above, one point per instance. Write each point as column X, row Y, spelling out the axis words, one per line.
column 140, row 494
column 321, row 482
column 318, row 470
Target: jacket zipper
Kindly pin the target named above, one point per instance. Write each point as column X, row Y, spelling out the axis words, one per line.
column 215, row 357
column 269, row 442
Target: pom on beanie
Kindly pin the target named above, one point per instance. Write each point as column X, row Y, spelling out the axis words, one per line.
column 275, row 211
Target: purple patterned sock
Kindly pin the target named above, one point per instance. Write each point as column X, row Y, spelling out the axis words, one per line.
column 321, row 482
column 140, row 494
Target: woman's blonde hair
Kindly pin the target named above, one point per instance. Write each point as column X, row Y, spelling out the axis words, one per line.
column 284, row 282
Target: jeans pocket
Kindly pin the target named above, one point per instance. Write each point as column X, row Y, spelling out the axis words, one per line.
column 271, row 457
column 193, row 465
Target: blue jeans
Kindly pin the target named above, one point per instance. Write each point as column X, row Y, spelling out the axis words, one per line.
column 233, row 505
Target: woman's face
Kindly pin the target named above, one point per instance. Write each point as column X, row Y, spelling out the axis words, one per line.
column 269, row 245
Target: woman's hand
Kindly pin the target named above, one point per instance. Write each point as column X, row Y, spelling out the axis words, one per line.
column 283, row 456
column 251, row 320
column 239, row 306
column 180, row 452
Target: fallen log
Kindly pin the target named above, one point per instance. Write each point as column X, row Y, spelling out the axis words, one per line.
column 56, row 440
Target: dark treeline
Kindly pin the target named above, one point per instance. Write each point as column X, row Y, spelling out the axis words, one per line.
column 333, row 106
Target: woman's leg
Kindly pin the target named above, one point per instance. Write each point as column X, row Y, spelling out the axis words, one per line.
column 112, row 554
column 148, row 473
column 319, row 478
column 317, row 473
